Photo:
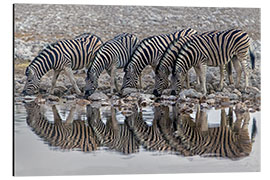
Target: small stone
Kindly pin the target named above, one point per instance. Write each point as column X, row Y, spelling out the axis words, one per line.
column 29, row 98
column 233, row 96
column 69, row 98
column 98, row 96
column 224, row 99
column 105, row 103
column 225, row 104
column 127, row 91
column 204, row 105
column 53, row 98
column 143, row 104
column 210, row 101
column 190, row 93
column 82, row 102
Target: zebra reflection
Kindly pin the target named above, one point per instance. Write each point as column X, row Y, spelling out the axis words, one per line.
column 112, row 135
column 229, row 140
column 67, row 135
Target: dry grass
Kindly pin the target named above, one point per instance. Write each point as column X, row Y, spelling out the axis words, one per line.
column 19, row 68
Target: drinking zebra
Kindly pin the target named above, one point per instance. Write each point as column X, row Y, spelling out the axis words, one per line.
column 149, row 52
column 115, row 53
column 215, row 50
column 167, row 61
column 64, row 55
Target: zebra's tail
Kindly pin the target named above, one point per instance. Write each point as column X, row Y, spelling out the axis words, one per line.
column 252, row 58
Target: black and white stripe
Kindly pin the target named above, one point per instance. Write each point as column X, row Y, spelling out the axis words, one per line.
column 149, row 52
column 199, row 51
column 227, row 141
column 64, row 55
column 113, row 54
column 65, row 135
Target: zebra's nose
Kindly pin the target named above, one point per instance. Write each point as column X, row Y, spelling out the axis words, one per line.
column 23, row 93
column 155, row 92
column 173, row 92
column 87, row 93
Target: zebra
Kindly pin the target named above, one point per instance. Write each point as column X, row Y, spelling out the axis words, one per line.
column 115, row 53
column 168, row 59
column 66, row 135
column 166, row 63
column 113, row 135
column 225, row 141
column 215, row 50
column 149, row 52
column 63, row 55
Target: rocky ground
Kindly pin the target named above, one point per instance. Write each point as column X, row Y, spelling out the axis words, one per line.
column 37, row 25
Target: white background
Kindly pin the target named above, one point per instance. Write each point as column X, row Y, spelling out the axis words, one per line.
column 6, row 69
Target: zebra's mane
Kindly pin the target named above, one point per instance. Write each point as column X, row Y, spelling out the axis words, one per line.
column 150, row 38
column 140, row 43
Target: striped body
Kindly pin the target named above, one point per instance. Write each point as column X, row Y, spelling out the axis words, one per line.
column 167, row 62
column 199, row 51
column 64, row 55
column 114, row 54
column 149, row 52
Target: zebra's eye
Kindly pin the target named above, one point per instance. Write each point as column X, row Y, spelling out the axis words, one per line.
column 29, row 80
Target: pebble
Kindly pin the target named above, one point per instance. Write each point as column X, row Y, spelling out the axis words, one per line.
column 70, row 97
column 53, row 98
column 98, row 96
column 210, row 101
column 82, row 102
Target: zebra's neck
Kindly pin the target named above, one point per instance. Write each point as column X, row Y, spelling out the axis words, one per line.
column 41, row 65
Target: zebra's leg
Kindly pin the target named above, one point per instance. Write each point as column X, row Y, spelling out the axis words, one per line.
column 187, row 81
column 197, row 71
column 220, row 86
column 203, row 121
column 69, row 119
column 237, row 67
column 203, row 84
column 229, row 68
column 112, row 72
column 201, row 72
column 55, row 77
column 223, row 120
column 246, row 73
column 140, row 81
column 56, row 116
column 68, row 72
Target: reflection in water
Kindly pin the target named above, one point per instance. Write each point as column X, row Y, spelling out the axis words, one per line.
column 177, row 133
column 67, row 134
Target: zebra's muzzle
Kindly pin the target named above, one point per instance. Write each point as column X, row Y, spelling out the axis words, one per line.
column 155, row 92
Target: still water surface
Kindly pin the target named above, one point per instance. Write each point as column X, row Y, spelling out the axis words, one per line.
column 83, row 140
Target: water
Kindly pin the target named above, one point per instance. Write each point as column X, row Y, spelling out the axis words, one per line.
column 68, row 139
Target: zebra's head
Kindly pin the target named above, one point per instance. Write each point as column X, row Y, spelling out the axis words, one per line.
column 177, row 80
column 161, row 83
column 32, row 82
column 91, row 83
column 130, row 79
